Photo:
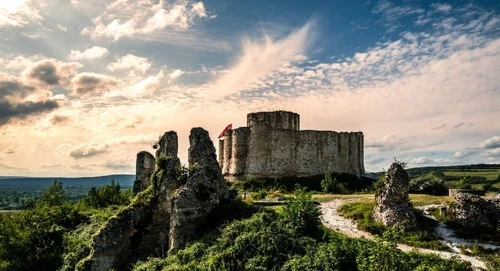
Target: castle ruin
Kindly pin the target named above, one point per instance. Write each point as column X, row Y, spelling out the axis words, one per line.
column 273, row 146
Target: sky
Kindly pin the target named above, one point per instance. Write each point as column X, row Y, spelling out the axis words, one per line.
column 87, row 84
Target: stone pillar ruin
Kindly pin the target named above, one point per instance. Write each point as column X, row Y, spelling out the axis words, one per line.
column 168, row 145
column 144, row 168
column 203, row 191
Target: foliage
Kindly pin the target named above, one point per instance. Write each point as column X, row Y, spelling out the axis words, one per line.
column 331, row 185
column 464, row 184
column 351, row 183
column 34, row 238
column 53, row 235
column 266, row 241
column 53, row 196
column 110, row 194
column 430, row 183
column 260, row 194
column 301, row 214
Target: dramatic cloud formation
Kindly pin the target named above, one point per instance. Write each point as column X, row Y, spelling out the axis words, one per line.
column 419, row 79
column 14, row 103
column 130, row 17
column 259, row 59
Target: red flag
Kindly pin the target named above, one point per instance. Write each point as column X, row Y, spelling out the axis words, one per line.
column 228, row 128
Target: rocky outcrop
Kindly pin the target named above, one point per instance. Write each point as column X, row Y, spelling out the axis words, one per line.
column 168, row 145
column 474, row 212
column 167, row 213
column 203, row 190
column 144, row 168
column 393, row 205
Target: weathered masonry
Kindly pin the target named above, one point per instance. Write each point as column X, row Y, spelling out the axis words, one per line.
column 273, row 146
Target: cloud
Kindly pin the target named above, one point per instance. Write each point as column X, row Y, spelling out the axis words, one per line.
column 490, row 143
column 9, row 167
column 130, row 17
column 53, row 165
column 144, row 86
column 57, row 119
column 17, row 13
column 464, row 153
column 9, row 111
column 87, row 83
column 120, row 165
column 95, row 52
column 49, row 72
column 45, row 72
column 175, row 74
column 391, row 13
column 130, row 62
column 260, row 59
column 87, row 151
column 428, row 161
column 441, row 7
column 14, row 103
column 493, row 153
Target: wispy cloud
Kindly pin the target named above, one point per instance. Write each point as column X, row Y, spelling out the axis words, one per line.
column 261, row 58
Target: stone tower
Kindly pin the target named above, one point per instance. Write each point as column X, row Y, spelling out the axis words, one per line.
column 273, row 146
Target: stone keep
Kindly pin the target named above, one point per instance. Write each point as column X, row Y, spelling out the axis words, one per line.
column 273, row 146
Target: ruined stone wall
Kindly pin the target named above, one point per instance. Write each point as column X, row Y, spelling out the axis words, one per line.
column 274, row 147
column 276, row 119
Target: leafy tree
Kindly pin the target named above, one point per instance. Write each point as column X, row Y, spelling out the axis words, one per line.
column 110, row 194
column 53, row 196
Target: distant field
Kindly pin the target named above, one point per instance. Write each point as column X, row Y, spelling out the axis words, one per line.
column 489, row 174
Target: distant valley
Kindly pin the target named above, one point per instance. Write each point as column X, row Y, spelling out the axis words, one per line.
column 16, row 190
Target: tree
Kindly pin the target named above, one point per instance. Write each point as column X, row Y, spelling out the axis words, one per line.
column 53, row 196
column 110, row 194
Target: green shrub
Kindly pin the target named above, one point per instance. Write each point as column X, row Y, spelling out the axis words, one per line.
column 331, row 185
column 301, row 215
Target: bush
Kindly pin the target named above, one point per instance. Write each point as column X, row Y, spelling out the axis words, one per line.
column 301, row 215
column 330, row 185
column 428, row 184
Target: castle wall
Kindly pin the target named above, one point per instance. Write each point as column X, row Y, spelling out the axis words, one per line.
column 239, row 140
column 267, row 150
column 228, row 152
column 277, row 119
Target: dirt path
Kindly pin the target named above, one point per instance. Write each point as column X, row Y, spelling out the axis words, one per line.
column 332, row 219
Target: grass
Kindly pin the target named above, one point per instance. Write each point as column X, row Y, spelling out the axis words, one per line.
column 423, row 237
column 489, row 174
column 422, row 199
